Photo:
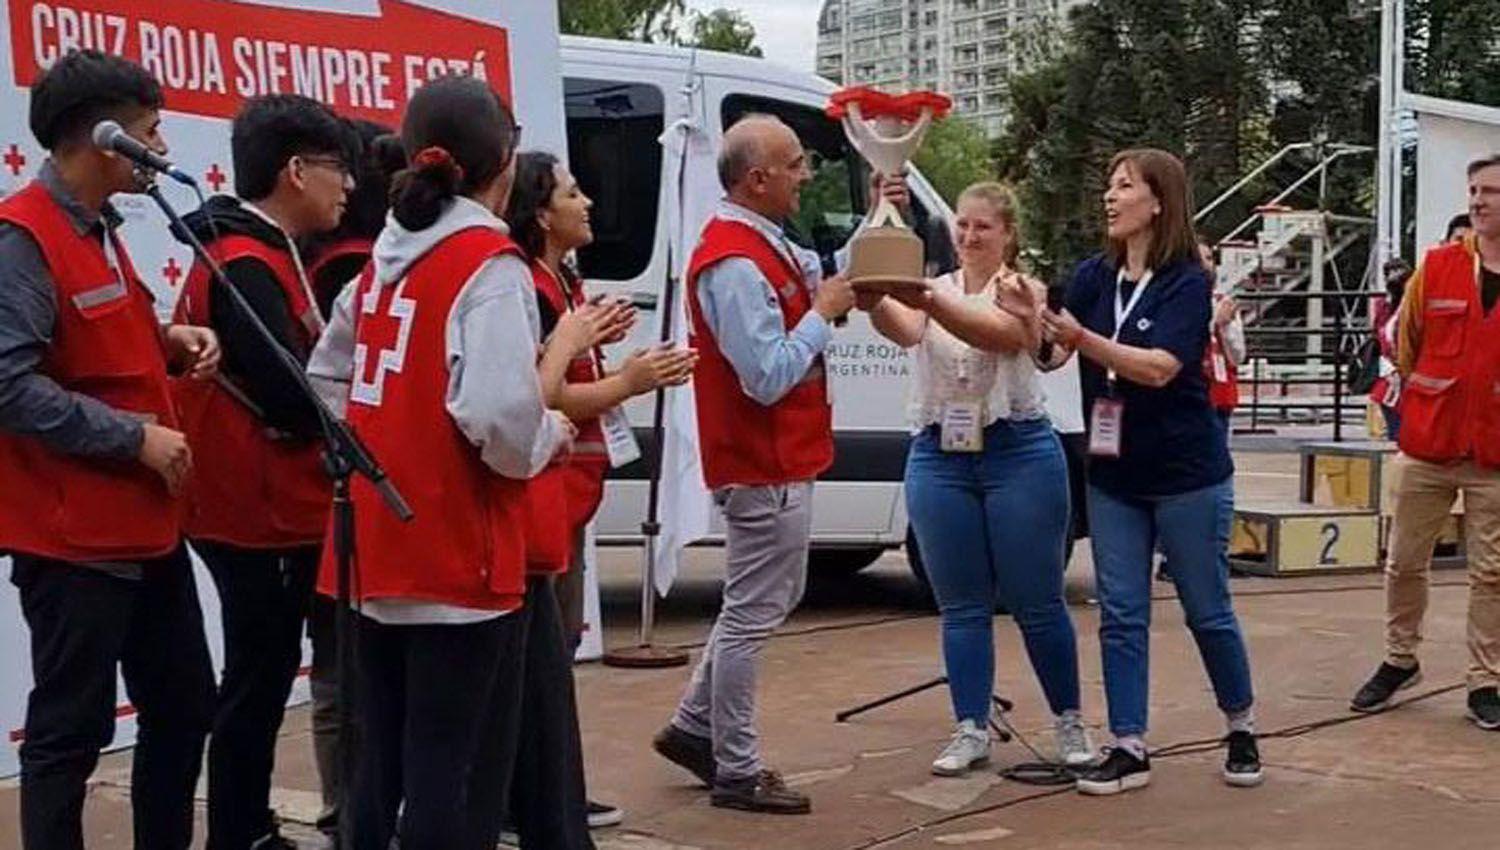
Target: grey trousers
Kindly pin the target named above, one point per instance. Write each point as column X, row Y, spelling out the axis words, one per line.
column 765, row 573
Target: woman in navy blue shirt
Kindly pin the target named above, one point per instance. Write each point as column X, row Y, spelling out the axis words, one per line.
column 1159, row 466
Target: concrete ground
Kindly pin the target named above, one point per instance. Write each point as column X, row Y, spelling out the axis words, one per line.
column 1417, row 776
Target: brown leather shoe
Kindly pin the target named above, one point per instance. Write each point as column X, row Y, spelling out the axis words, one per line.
column 692, row 753
column 765, row 793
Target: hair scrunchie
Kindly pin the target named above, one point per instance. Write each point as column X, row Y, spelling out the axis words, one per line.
column 437, row 158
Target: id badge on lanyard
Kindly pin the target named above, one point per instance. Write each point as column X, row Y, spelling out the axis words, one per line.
column 1105, row 422
column 1107, row 419
column 619, row 438
column 962, row 426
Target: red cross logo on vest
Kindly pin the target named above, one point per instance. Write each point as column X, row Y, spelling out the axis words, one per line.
column 171, row 271
column 384, row 330
column 215, row 177
column 15, row 160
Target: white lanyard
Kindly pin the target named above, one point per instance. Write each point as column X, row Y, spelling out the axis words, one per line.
column 568, row 307
column 1122, row 308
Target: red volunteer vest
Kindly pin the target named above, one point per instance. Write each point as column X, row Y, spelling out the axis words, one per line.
column 1225, row 394
column 467, row 544
column 251, row 487
column 353, row 246
column 741, row 440
column 1450, row 403
column 106, row 344
column 583, row 471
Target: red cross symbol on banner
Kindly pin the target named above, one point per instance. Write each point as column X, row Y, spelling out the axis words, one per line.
column 171, row 271
column 14, row 160
column 215, row 177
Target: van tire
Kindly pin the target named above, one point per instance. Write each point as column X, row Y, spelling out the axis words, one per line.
column 841, row 561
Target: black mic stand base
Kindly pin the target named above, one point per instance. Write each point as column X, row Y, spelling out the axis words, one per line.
column 1001, row 705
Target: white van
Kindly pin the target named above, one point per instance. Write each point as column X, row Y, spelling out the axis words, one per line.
column 619, row 97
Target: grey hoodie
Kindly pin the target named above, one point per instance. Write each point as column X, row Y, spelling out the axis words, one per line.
column 494, row 394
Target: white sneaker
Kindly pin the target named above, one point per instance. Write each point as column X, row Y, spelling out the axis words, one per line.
column 1074, row 748
column 970, row 747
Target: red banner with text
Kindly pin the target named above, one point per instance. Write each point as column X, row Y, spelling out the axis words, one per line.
column 212, row 54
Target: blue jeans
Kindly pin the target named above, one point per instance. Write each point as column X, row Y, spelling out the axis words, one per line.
column 992, row 525
column 1193, row 530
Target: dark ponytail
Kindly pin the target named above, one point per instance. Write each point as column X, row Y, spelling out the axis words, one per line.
column 458, row 136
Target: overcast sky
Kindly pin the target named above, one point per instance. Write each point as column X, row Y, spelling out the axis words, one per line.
column 787, row 30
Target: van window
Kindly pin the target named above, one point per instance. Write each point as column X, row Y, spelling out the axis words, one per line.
column 836, row 200
column 612, row 149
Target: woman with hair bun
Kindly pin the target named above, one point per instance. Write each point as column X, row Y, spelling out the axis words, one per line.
column 437, row 343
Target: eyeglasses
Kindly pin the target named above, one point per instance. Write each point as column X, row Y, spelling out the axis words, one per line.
column 336, row 163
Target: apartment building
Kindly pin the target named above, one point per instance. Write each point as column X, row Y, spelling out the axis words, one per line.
column 965, row 48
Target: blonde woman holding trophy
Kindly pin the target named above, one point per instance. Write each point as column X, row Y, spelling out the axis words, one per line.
column 986, row 479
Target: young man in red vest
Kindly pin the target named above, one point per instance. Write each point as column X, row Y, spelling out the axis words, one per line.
column 334, row 260
column 761, row 319
column 258, row 506
column 1448, row 355
column 91, row 462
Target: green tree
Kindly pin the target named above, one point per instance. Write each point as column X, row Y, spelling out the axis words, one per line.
column 627, row 20
column 725, row 30
column 954, row 154
column 1450, row 49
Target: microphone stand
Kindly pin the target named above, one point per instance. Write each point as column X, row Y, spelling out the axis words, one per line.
column 344, row 456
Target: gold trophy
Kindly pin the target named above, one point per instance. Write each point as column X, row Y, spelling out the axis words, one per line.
column 886, row 130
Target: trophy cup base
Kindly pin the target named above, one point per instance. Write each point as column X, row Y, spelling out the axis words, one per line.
column 887, row 283
column 885, row 257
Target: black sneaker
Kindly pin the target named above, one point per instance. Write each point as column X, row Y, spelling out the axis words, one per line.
column 766, row 793
column 1120, row 771
column 602, row 815
column 1388, row 679
column 693, row 753
column 1242, row 767
column 1484, row 708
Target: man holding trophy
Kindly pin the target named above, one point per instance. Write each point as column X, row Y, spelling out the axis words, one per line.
column 761, row 315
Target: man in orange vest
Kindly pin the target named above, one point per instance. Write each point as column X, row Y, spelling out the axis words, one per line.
column 90, row 465
column 761, row 318
column 1448, row 355
column 258, row 505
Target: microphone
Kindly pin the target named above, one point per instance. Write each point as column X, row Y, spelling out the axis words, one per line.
column 110, row 136
column 1056, row 299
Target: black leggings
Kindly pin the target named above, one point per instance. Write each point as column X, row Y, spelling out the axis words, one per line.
column 547, row 798
column 438, row 709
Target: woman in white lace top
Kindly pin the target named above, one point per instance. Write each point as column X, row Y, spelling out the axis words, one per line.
column 986, row 480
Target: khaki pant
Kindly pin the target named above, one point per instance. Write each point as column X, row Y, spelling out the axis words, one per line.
column 765, row 571
column 1424, row 497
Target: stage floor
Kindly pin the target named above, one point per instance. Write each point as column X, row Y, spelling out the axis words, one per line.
column 1417, row 776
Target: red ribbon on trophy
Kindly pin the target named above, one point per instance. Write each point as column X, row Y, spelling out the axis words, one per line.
column 886, row 129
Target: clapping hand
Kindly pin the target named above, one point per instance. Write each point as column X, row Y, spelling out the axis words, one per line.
column 661, row 366
column 593, row 324
column 1015, row 295
column 1061, row 328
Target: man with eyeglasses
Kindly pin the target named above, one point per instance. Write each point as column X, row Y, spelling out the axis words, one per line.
column 258, row 504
